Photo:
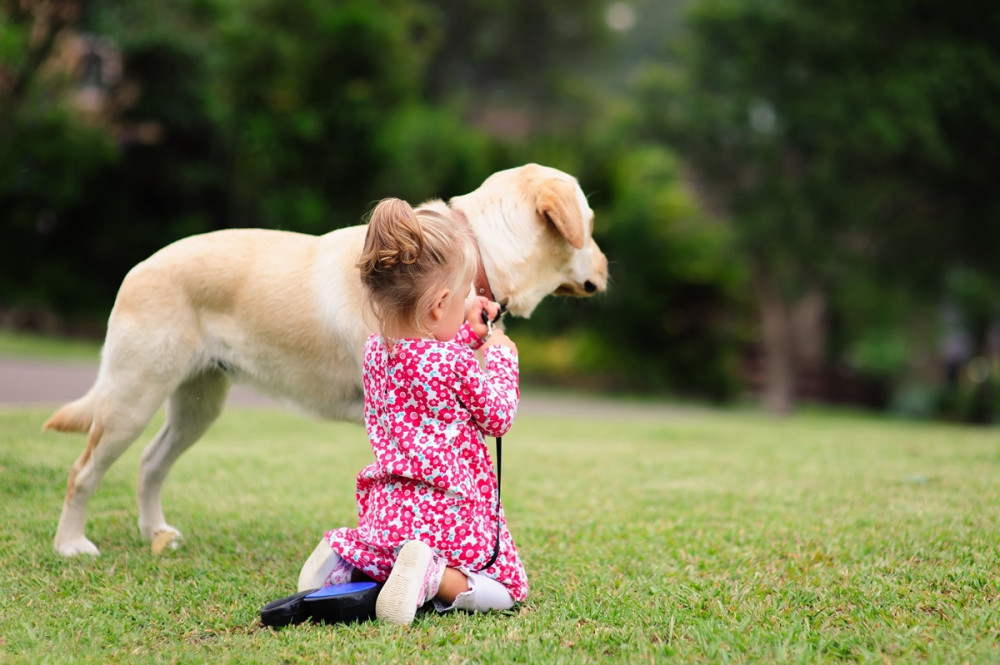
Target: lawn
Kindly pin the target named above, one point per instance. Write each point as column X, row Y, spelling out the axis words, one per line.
column 692, row 536
column 49, row 347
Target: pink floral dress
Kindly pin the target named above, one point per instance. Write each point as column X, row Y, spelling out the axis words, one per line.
column 428, row 407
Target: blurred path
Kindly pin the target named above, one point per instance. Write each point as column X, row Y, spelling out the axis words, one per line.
column 33, row 382
column 29, row 381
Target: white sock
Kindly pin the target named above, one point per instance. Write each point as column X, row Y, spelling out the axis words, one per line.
column 485, row 594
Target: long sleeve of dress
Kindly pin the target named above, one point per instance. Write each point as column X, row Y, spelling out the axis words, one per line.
column 491, row 396
column 466, row 336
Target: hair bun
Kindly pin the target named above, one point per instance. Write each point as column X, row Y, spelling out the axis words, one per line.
column 405, row 253
column 394, row 237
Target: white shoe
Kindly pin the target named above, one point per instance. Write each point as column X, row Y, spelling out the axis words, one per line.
column 317, row 568
column 408, row 584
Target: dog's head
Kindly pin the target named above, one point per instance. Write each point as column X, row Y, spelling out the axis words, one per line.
column 534, row 229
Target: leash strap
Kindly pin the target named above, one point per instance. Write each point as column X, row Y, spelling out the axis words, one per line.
column 496, row 545
column 486, row 320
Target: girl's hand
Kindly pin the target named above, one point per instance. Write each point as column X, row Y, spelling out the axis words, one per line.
column 499, row 338
column 474, row 315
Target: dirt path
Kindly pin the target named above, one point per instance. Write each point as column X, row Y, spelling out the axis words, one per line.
column 26, row 382
column 32, row 382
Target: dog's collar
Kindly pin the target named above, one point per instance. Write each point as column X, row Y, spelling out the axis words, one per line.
column 482, row 282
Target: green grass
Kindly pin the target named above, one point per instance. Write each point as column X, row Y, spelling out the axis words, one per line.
column 39, row 346
column 695, row 538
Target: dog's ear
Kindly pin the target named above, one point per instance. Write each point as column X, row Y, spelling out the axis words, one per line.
column 556, row 201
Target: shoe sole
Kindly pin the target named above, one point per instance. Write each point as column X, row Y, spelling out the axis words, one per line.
column 317, row 567
column 398, row 601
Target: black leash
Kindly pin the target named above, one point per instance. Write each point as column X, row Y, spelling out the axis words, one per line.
column 496, row 545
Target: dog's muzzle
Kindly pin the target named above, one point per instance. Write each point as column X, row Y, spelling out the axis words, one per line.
column 588, row 288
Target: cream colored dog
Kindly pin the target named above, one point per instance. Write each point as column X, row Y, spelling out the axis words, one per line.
column 283, row 312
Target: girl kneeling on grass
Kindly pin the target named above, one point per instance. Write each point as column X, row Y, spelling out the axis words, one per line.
column 429, row 516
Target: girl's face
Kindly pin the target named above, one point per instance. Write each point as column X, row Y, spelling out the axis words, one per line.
column 451, row 318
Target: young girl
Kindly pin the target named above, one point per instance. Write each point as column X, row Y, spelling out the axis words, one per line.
column 429, row 516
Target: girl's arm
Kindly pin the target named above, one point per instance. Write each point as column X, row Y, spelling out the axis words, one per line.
column 491, row 396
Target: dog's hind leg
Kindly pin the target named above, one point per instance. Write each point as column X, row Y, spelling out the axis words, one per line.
column 110, row 434
column 191, row 409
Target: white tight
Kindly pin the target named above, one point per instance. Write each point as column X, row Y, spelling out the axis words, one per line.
column 485, row 594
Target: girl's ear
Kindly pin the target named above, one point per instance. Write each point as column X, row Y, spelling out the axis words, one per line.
column 438, row 309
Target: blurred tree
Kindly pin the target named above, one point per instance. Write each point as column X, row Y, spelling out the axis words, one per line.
column 307, row 89
column 841, row 137
column 52, row 143
column 29, row 38
column 516, row 52
column 674, row 318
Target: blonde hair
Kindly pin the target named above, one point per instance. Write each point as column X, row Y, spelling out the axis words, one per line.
column 408, row 257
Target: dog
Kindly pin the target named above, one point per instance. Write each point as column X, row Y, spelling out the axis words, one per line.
column 284, row 313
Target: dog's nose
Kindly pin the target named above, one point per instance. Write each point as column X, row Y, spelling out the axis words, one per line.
column 589, row 287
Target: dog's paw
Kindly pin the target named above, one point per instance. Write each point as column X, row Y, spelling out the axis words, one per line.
column 77, row 547
column 166, row 537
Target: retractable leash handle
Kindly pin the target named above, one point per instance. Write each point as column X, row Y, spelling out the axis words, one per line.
column 340, row 603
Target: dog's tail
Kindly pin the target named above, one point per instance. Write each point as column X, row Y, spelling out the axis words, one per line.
column 76, row 416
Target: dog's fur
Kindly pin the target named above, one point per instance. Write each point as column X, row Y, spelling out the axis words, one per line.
column 283, row 312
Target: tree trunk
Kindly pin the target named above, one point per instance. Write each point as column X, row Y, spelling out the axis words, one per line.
column 48, row 20
column 776, row 339
column 809, row 327
column 982, row 405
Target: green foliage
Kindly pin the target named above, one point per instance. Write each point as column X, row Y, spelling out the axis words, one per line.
column 428, row 153
column 518, row 52
column 20, row 345
column 670, row 315
column 843, row 139
column 308, row 88
column 823, row 124
column 707, row 536
column 49, row 160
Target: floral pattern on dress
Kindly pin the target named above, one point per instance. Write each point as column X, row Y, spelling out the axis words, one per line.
column 428, row 407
